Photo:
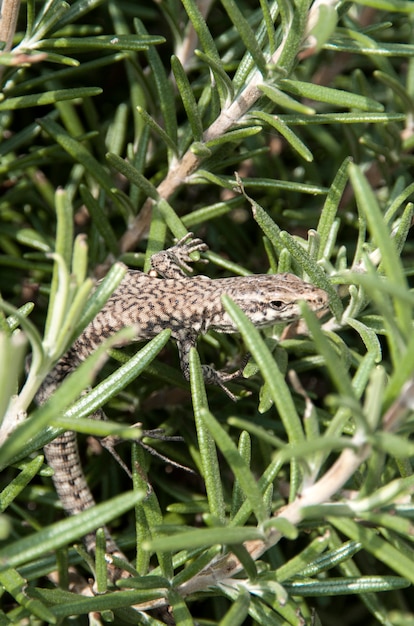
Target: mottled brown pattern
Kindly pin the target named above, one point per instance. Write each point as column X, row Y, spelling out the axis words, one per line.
column 189, row 306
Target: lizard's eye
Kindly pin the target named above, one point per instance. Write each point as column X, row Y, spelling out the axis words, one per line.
column 278, row 305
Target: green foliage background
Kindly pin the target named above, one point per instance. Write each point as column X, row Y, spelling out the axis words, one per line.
column 122, row 126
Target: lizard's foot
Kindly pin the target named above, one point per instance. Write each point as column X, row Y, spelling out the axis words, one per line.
column 111, row 441
column 217, row 377
column 175, row 261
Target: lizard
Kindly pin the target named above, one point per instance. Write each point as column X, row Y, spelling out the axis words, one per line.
column 189, row 306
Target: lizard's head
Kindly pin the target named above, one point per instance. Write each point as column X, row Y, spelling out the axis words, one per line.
column 268, row 299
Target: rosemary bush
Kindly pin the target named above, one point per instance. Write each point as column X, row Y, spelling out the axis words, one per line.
column 281, row 134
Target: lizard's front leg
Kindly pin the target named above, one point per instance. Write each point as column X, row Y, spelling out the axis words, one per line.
column 172, row 262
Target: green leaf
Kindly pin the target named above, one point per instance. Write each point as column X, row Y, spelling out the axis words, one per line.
column 59, row 290
column 238, row 466
column 119, row 379
column 23, row 439
column 80, row 154
column 369, row 338
column 322, row 21
column 325, row 229
column 132, row 174
column 333, row 362
column 49, row 14
column 164, row 88
column 204, row 537
column 368, row 205
column 283, row 100
column 398, row 560
column 235, row 136
column 258, row 183
column 405, row 6
column 244, row 449
column 329, row 95
column 286, row 132
column 101, row 220
column 314, row 272
column 346, row 586
column 50, row 97
column 342, row 118
column 188, row 98
column 245, row 32
column 16, row 586
column 270, row 372
column 66, row 531
column 180, row 609
column 12, row 355
column 67, row 604
column 208, row 452
column 101, row 42
column 224, row 83
column 201, row 28
column 158, row 130
column 298, row 563
column 75, row 11
column 12, row 490
column 238, row 611
column 396, row 87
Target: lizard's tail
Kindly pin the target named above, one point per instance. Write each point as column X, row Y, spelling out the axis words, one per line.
column 62, row 455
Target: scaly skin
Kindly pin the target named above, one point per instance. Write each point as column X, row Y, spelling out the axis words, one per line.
column 189, row 306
